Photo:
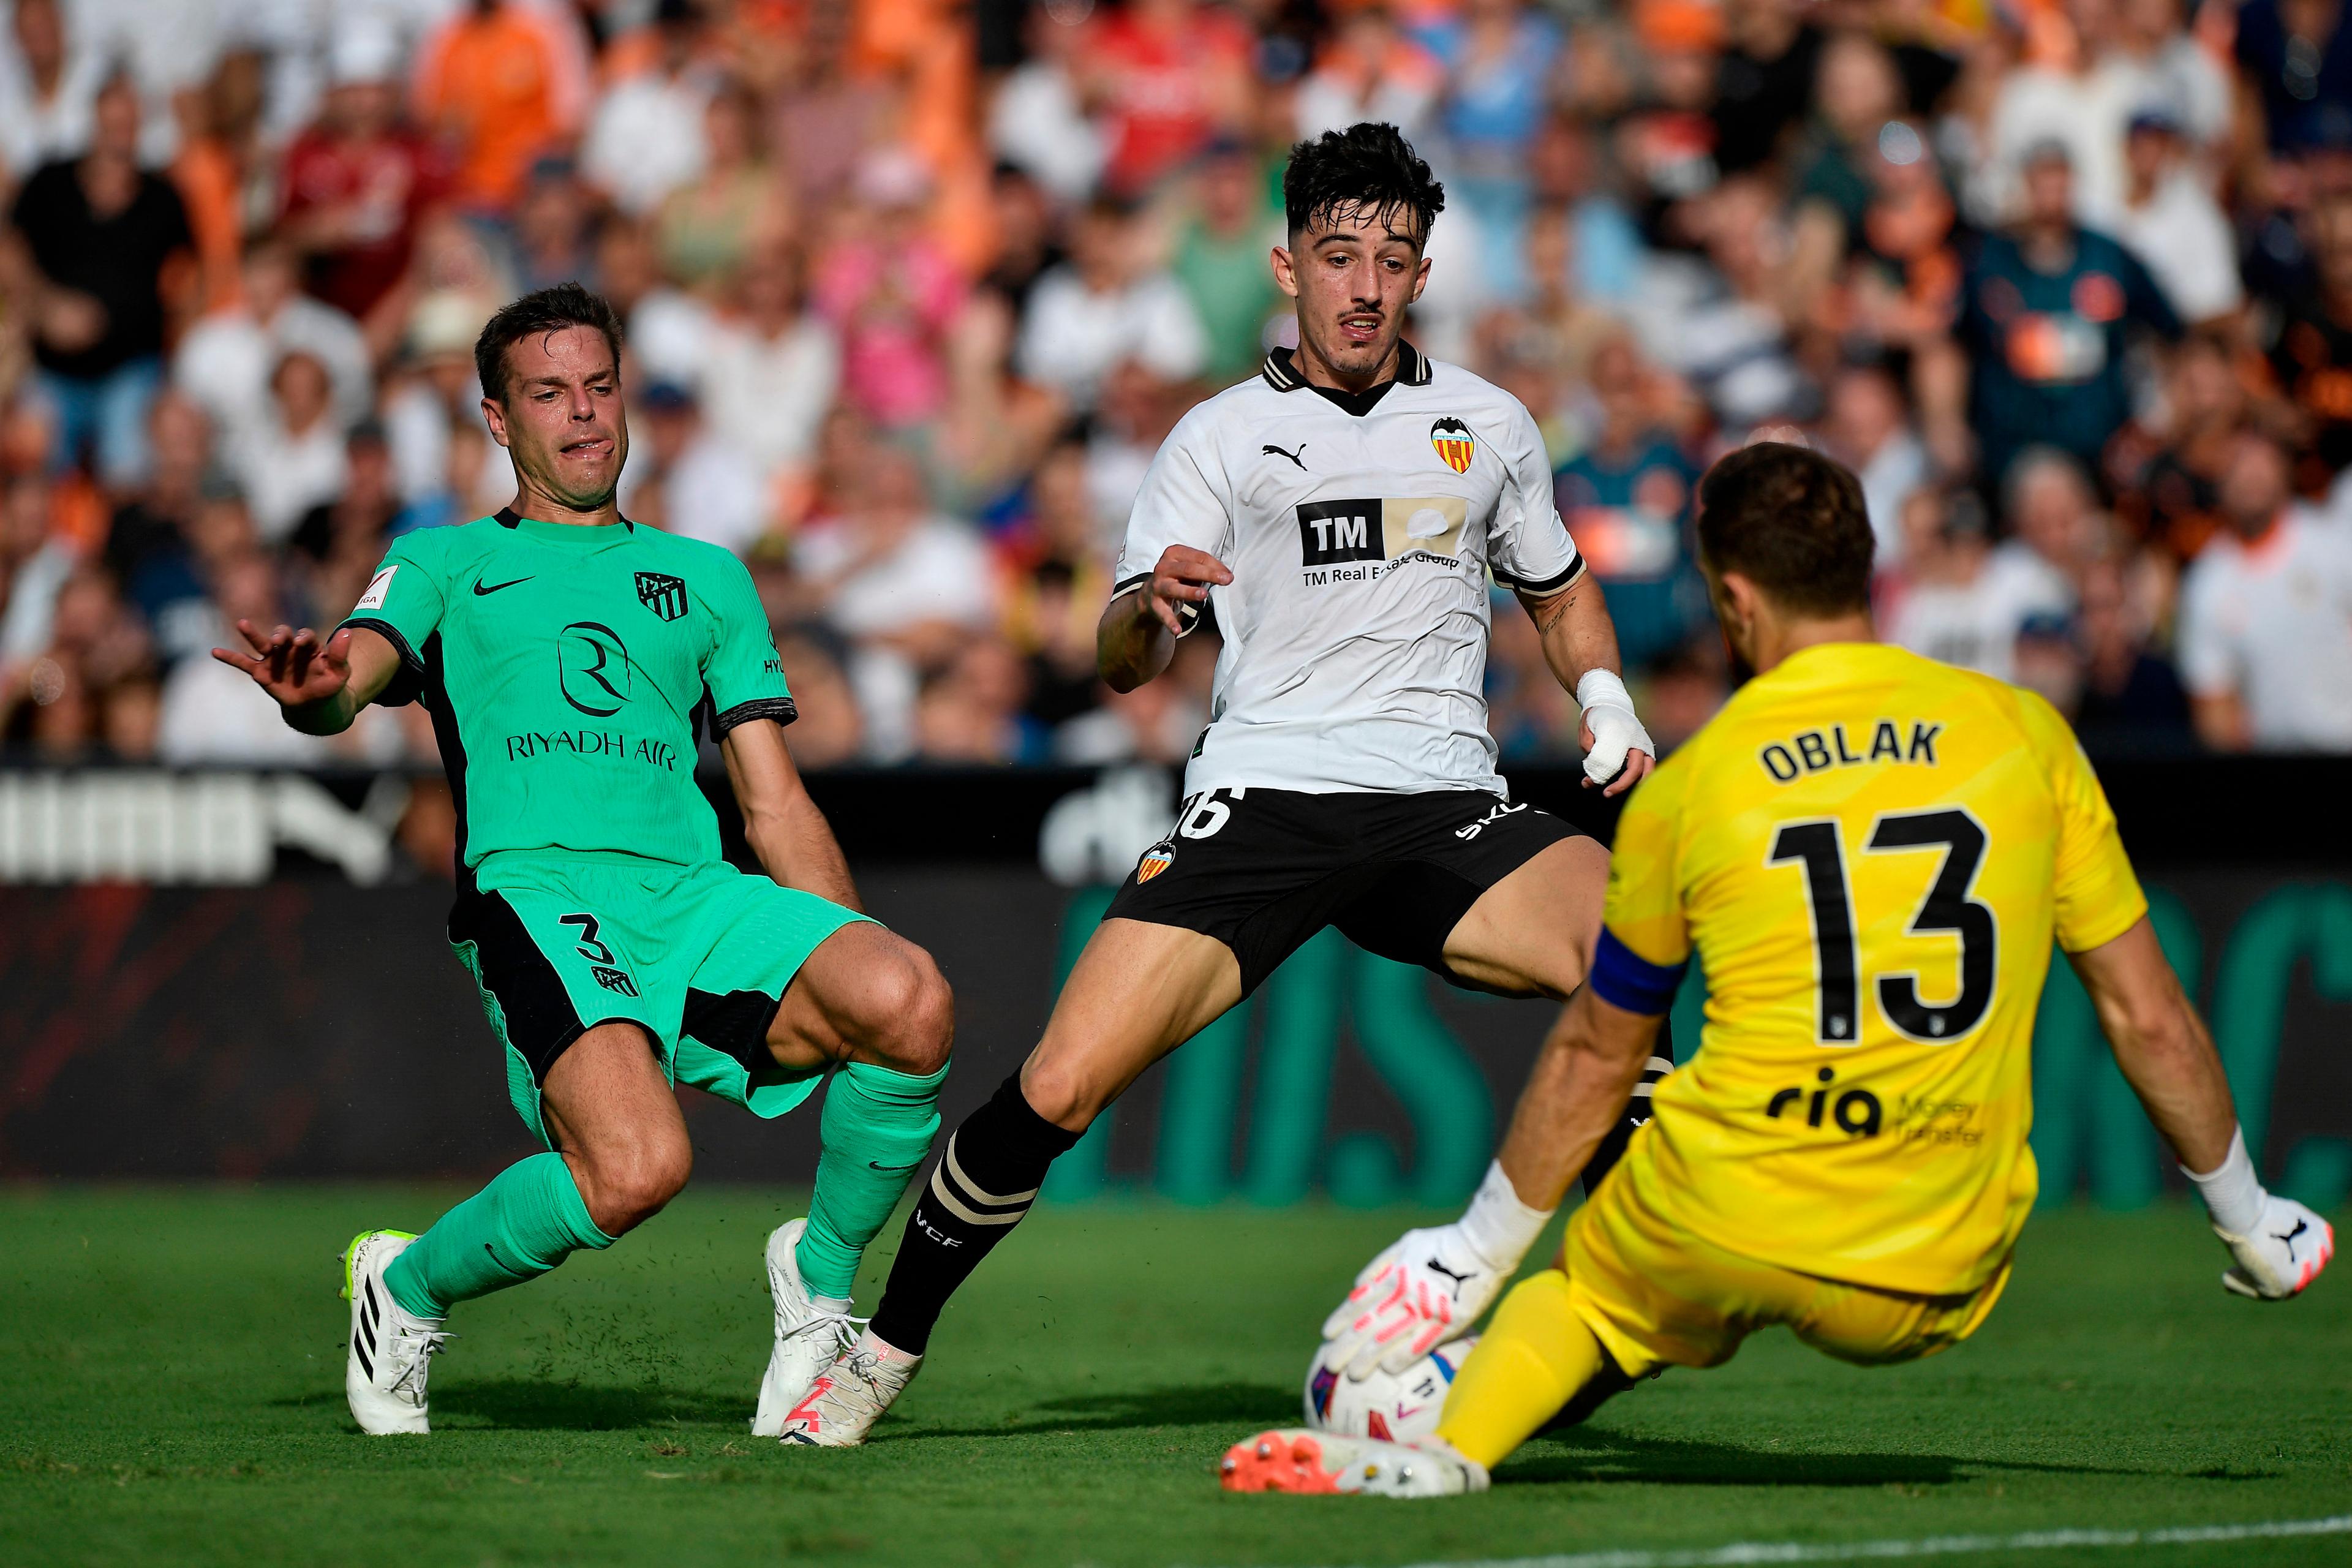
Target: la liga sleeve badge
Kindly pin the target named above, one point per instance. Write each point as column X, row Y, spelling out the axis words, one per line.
column 1454, row 443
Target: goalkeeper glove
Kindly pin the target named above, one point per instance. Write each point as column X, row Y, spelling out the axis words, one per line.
column 2278, row 1245
column 1430, row 1286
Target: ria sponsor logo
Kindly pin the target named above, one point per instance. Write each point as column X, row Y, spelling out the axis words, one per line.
column 1857, row 1111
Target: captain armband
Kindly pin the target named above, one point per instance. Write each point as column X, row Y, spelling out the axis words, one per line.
column 1624, row 978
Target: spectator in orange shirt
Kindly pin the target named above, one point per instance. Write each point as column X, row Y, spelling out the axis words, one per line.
column 503, row 82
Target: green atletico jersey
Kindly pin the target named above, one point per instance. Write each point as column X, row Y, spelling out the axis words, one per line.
column 570, row 672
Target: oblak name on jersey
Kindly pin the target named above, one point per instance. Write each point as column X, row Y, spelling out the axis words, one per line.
column 1810, row 750
column 1361, row 529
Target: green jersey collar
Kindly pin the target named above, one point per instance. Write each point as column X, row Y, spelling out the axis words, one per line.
column 557, row 532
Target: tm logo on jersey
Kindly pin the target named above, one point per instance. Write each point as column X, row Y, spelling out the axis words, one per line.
column 664, row 596
column 1380, row 533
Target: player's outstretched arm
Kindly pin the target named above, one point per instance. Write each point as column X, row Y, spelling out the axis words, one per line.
column 1137, row 636
column 1580, row 643
column 782, row 824
column 1432, row 1285
column 1583, row 1078
column 2278, row 1245
column 322, row 686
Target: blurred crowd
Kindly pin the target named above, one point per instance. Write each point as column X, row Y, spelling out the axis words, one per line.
column 914, row 289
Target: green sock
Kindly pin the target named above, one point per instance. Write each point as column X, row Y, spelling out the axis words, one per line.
column 529, row 1219
column 878, row 1124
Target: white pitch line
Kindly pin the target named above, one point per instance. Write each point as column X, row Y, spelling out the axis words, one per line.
column 1752, row 1552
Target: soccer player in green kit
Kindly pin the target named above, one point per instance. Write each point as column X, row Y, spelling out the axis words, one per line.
column 570, row 661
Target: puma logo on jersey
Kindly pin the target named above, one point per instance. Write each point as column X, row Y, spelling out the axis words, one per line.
column 1293, row 457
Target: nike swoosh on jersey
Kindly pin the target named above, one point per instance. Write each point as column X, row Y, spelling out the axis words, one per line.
column 479, row 590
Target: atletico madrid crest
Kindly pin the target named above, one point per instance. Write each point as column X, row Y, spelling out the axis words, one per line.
column 1454, row 443
column 663, row 594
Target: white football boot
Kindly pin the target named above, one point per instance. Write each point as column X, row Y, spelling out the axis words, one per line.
column 1325, row 1462
column 851, row 1394
column 808, row 1338
column 391, row 1348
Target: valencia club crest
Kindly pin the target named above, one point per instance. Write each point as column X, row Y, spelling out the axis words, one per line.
column 1454, row 443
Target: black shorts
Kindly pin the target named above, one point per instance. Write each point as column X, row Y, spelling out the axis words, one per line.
column 1264, row 870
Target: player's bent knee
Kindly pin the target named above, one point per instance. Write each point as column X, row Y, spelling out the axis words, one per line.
column 928, row 1035
column 905, row 1012
column 1062, row 1095
column 625, row 1188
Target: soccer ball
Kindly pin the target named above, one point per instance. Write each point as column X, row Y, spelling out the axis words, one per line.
column 1399, row 1407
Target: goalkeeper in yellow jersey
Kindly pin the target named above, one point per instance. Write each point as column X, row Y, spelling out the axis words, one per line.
column 1870, row 853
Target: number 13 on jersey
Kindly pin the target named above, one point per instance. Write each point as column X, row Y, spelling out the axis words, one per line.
column 1841, row 965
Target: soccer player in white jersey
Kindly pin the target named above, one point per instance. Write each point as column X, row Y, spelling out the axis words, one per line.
column 1341, row 513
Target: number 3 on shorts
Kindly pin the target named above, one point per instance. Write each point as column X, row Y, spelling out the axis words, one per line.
column 588, row 947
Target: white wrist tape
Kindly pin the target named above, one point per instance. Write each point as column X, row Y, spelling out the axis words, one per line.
column 1603, row 687
column 1498, row 1225
column 2233, row 1194
column 1616, row 729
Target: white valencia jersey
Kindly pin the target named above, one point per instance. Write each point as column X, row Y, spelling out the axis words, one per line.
column 1359, row 530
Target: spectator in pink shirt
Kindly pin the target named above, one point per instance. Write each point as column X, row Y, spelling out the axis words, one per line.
column 891, row 293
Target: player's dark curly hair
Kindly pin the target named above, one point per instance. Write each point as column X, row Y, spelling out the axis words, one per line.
column 1368, row 167
column 1793, row 522
column 540, row 311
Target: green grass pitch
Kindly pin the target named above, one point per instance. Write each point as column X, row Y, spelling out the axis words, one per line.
column 171, row 1365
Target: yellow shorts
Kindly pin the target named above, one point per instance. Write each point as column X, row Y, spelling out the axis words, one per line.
column 1655, row 1295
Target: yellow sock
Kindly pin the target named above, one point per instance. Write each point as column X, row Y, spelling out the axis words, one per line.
column 1533, row 1357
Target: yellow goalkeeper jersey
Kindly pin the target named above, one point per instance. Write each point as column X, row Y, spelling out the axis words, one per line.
column 1870, row 854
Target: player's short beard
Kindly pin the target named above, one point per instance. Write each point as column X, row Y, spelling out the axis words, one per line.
column 1340, row 355
column 1337, row 348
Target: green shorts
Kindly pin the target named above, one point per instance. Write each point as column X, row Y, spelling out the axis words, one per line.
column 700, row 956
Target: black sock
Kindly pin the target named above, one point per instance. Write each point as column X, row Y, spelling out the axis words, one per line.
column 985, row 1182
column 1637, row 1110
